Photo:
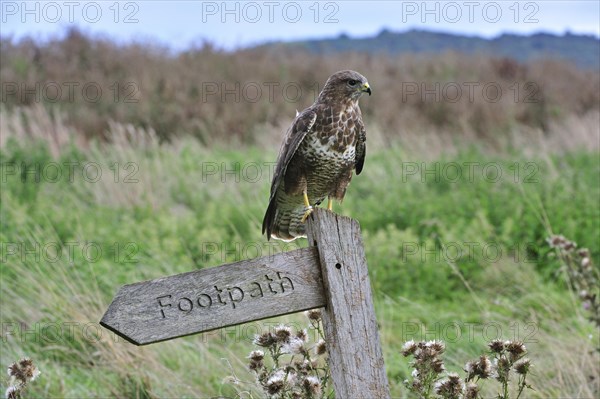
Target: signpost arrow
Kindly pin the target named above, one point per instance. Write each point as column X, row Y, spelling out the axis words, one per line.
column 207, row 299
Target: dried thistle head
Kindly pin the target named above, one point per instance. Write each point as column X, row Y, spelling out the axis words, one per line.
column 437, row 365
column 556, row 241
column 282, row 333
column 409, row 348
column 265, row 340
column 12, row 392
column 256, row 360
column 312, row 385
column 314, row 315
column 583, row 253
column 450, row 388
column 304, row 366
column 256, row 355
column 23, row 371
column 294, row 346
column 436, row 347
column 276, row 382
column 522, row 366
column 471, row 391
column 516, row 349
column 302, row 334
column 496, row 346
column 426, row 353
column 320, row 348
column 483, row 367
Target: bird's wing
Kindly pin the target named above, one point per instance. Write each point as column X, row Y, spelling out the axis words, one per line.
column 361, row 146
column 294, row 136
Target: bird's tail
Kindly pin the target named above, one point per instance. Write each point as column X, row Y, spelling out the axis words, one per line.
column 282, row 224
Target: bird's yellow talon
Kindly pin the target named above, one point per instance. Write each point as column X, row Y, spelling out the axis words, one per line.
column 330, row 204
column 309, row 210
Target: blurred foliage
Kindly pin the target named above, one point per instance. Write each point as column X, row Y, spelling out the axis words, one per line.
column 211, row 94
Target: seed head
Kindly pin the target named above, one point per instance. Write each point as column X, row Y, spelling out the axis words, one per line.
column 321, row 348
column 583, row 252
column 293, row 345
column 256, row 355
column 282, row 333
column 437, row 365
column 522, row 366
column 265, row 340
column 256, row 360
column 255, row 365
column 302, row 334
column 23, row 371
column 556, row 241
column 483, row 367
column 409, row 348
column 276, row 382
column 516, row 349
column 436, row 347
column 314, row 314
column 312, row 385
column 471, row 391
column 496, row 346
column 450, row 388
column 12, row 392
column 304, row 366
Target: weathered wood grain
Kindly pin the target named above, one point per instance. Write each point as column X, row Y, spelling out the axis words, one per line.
column 355, row 356
column 207, row 299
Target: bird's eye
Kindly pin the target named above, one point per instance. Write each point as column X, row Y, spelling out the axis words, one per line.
column 352, row 82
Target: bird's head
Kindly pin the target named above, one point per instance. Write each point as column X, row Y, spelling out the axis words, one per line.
column 345, row 85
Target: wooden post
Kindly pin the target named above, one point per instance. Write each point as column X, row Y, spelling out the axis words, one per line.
column 355, row 356
column 330, row 273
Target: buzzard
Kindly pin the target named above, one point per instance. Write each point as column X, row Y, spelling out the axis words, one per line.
column 322, row 147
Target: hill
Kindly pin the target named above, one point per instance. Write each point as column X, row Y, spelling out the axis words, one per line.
column 582, row 50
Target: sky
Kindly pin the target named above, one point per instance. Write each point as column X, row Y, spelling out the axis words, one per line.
column 232, row 24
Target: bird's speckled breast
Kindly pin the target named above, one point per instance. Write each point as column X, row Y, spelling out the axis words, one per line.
column 329, row 156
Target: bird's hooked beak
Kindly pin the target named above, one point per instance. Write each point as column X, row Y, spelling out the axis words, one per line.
column 366, row 88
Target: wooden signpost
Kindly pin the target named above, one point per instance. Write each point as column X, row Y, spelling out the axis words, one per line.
column 330, row 273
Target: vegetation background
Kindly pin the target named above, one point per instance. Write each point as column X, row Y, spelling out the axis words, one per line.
column 168, row 170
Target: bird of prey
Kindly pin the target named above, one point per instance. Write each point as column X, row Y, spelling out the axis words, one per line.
column 322, row 147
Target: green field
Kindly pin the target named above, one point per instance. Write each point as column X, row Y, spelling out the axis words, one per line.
column 455, row 242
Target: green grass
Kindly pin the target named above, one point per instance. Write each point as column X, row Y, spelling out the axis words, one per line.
column 175, row 218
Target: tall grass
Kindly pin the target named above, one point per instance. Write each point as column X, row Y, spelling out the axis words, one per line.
column 176, row 213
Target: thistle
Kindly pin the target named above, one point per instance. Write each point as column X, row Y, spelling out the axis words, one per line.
column 21, row 373
column 427, row 377
column 286, row 368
